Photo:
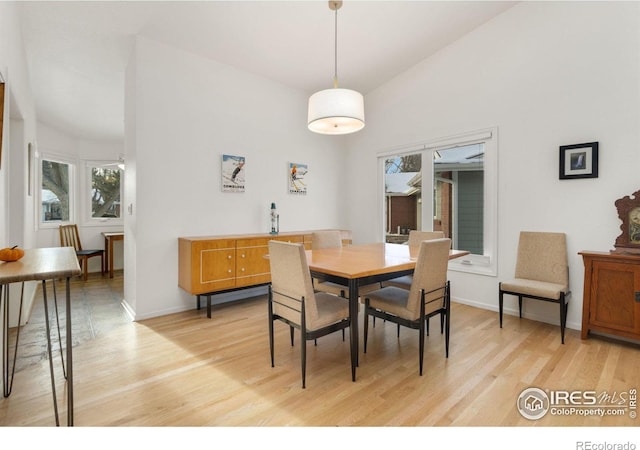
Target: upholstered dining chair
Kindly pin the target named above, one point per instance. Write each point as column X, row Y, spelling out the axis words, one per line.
column 293, row 300
column 333, row 239
column 429, row 295
column 404, row 282
column 415, row 238
column 542, row 273
column 69, row 237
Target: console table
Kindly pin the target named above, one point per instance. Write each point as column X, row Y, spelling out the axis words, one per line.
column 210, row 265
column 611, row 302
column 40, row 264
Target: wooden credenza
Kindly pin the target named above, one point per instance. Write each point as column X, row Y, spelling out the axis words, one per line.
column 611, row 302
column 210, row 264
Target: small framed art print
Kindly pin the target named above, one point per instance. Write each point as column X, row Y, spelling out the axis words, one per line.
column 579, row 161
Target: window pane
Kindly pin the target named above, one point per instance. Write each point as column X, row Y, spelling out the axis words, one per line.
column 403, row 196
column 55, row 191
column 459, row 196
column 105, row 192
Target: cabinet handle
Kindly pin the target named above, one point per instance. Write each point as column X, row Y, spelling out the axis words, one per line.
column 229, row 270
column 638, row 296
column 242, row 255
column 229, row 257
column 242, row 269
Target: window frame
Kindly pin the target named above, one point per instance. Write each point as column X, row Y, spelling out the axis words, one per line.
column 85, row 195
column 41, row 223
column 485, row 264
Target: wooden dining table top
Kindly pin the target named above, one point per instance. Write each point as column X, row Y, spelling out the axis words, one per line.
column 359, row 261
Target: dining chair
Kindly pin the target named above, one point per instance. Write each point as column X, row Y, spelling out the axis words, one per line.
column 333, row 239
column 415, row 238
column 404, row 282
column 70, row 237
column 429, row 295
column 542, row 273
column 293, row 300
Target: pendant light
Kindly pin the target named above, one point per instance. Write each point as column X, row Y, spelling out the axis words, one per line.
column 336, row 110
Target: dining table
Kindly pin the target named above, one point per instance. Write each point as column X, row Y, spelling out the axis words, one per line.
column 361, row 265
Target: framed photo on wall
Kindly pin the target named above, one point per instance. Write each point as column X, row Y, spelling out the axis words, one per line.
column 296, row 178
column 233, row 173
column 579, row 161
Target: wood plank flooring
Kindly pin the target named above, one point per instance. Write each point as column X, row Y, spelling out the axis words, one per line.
column 184, row 370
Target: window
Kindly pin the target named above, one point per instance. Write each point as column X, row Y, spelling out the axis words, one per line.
column 448, row 185
column 105, row 190
column 56, row 193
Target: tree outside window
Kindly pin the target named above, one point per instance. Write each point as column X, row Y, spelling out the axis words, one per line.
column 105, row 192
column 55, row 191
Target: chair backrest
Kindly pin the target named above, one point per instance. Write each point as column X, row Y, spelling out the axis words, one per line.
column 417, row 236
column 69, row 237
column 326, row 239
column 542, row 256
column 290, row 277
column 430, row 274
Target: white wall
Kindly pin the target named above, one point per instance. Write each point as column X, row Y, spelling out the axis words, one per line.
column 546, row 74
column 183, row 113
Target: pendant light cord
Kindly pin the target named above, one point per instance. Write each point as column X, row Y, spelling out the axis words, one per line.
column 335, row 72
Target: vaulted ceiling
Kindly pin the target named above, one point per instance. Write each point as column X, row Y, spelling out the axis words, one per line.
column 77, row 51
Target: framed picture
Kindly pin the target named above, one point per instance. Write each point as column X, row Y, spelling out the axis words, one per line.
column 579, row 161
column 296, row 178
column 233, row 169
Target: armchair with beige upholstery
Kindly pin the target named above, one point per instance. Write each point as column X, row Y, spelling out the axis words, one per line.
column 429, row 295
column 542, row 273
column 293, row 300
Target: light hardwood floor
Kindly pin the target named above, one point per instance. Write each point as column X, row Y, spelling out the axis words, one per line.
column 186, row 370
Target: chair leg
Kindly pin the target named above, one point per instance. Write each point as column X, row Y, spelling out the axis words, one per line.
column 447, row 327
column 520, row 305
column 421, row 344
column 398, row 330
column 366, row 323
column 271, row 328
column 500, row 303
column 291, row 333
column 563, row 315
column 85, row 268
column 303, row 357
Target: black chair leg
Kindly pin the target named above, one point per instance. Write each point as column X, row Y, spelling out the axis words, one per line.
column 500, row 303
column 447, row 326
column 366, row 324
column 291, row 333
column 520, row 305
column 271, row 329
column 563, row 315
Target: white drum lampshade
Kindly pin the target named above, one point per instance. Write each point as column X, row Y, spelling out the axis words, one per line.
column 336, row 111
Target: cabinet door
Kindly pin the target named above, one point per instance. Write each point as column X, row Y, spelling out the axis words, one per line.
column 214, row 265
column 613, row 296
column 252, row 265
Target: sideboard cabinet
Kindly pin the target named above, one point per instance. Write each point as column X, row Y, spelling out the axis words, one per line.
column 213, row 264
column 611, row 302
